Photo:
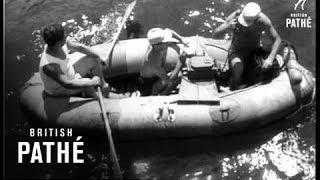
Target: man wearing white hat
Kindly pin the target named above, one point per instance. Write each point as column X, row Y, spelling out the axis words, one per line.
column 152, row 70
column 247, row 26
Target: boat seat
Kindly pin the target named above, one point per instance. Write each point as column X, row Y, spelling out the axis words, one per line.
column 198, row 92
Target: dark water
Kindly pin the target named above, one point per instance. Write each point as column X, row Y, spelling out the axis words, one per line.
column 280, row 150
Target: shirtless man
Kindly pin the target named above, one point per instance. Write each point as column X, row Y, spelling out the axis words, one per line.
column 62, row 74
column 152, row 70
column 247, row 27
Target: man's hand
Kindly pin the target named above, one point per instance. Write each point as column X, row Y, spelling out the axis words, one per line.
column 187, row 53
column 183, row 54
column 232, row 23
column 165, row 82
column 267, row 64
column 96, row 81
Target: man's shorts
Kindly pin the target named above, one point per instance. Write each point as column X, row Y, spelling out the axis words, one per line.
column 250, row 64
column 146, row 84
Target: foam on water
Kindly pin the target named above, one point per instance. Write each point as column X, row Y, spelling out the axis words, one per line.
column 210, row 16
column 282, row 155
column 85, row 32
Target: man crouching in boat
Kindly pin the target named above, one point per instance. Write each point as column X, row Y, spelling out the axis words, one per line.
column 247, row 26
column 63, row 75
column 152, row 71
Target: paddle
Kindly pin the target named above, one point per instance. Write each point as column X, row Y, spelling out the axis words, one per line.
column 116, row 168
column 116, row 36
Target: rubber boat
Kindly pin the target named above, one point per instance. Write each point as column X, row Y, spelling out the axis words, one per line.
column 198, row 108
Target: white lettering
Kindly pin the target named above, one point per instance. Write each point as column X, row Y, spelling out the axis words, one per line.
column 21, row 151
column 31, row 132
column 298, row 22
column 51, row 132
column 76, row 151
column 69, row 132
column 288, row 22
column 48, row 150
column 39, row 132
column 36, row 153
column 309, row 22
column 64, row 152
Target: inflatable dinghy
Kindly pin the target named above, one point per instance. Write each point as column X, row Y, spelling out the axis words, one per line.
column 197, row 108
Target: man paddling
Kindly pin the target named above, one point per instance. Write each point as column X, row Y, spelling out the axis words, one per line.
column 152, row 71
column 247, row 26
column 64, row 75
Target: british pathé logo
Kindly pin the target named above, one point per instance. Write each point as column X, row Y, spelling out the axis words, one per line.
column 55, row 152
column 300, row 2
column 299, row 19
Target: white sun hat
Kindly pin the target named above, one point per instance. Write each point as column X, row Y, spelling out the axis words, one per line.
column 249, row 13
column 158, row 35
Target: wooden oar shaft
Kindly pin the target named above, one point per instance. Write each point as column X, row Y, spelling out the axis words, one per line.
column 116, row 36
column 117, row 170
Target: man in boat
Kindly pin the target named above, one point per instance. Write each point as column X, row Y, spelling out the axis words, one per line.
column 247, row 26
column 64, row 75
column 152, row 71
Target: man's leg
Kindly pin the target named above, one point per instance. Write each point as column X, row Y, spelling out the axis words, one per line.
column 173, row 84
column 91, row 92
column 236, row 73
column 89, row 67
column 157, row 87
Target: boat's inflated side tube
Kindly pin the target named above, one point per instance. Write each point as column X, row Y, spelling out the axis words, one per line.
column 301, row 79
column 128, row 56
column 161, row 116
column 76, row 112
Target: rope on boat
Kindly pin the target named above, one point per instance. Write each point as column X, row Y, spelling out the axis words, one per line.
column 290, row 46
column 207, row 44
column 241, row 90
column 293, row 113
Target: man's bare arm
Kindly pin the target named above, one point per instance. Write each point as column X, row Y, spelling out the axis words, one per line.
column 177, row 36
column 274, row 35
column 161, row 73
column 177, row 68
column 54, row 71
column 225, row 26
column 82, row 48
